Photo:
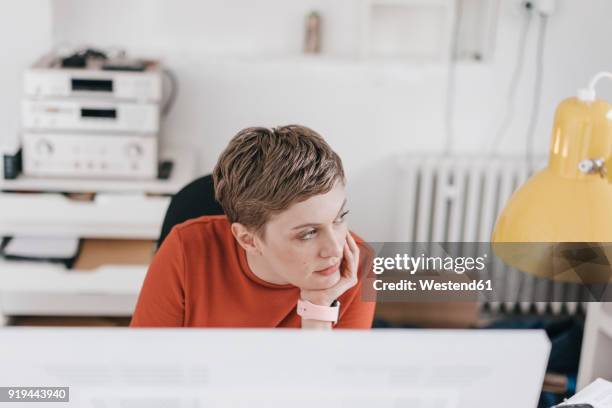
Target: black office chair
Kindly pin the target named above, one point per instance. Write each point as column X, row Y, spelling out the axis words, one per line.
column 194, row 200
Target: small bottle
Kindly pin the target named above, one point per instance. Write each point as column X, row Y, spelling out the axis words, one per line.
column 312, row 41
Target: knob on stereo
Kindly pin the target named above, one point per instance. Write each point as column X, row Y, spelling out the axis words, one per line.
column 44, row 147
column 133, row 150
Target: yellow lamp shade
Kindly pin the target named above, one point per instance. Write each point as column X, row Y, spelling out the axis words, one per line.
column 559, row 223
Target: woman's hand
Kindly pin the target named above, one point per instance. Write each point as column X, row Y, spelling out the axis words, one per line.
column 348, row 277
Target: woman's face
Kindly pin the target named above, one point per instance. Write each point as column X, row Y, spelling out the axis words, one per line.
column 304, row 244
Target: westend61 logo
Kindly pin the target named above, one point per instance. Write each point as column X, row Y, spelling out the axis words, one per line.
column 478, row 271
column 412, row 264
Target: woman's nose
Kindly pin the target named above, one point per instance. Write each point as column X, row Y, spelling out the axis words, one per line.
column 332, row 247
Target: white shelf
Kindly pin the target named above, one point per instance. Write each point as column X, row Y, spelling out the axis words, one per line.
column 107, row 216
column 66, row 304
column 120, row 210
column 413, row 3
column 37, row 288
column 182, row 173
column 331, row 63
column 46, row 277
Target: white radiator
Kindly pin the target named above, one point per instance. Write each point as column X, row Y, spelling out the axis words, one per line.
column 458, row 199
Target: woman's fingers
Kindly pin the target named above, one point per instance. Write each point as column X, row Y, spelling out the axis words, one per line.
column 354, row 248
column 349, row 271
column 350, row 261
column 351, row 242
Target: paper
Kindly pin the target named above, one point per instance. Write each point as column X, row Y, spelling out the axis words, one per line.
column 598, row 394
column 44, row 248
column 99, row 252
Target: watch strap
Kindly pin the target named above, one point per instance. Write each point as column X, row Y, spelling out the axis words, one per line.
column 308, row 310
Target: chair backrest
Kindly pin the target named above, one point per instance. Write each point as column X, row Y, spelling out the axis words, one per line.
column 194, row 200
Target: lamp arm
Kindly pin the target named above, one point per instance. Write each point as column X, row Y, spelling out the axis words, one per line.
column 599, row 165
column 597, row 77
column 588, row 94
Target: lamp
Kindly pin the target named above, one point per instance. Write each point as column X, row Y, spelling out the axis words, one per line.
column 559, row 223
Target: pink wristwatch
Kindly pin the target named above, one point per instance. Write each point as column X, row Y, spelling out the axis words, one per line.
column 311, row 311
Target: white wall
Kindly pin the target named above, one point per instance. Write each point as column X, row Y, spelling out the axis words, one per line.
column 25, row 34
column 576, row 48
column 233, row 60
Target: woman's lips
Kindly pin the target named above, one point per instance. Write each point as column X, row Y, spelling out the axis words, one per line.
column 329, row 271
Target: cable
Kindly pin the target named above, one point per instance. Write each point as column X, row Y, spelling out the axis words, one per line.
column 513, row 84
column 449, row 111
column 533, row 120
column 174, row 89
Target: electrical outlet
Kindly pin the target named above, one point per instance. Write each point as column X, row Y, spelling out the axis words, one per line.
column 523, row 8
column 528, row 7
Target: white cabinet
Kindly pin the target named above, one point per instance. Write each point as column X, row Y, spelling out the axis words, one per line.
column 596, row 355
column 131, row 210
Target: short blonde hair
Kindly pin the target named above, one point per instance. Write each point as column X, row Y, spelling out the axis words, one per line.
column 264, row 171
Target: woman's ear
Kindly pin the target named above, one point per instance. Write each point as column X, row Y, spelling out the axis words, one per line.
column 246, row 238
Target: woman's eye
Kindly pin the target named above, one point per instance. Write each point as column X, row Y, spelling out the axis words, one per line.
column 308, row 235
column 340, row 219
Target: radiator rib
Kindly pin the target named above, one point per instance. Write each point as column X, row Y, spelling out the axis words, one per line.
column 458, row 199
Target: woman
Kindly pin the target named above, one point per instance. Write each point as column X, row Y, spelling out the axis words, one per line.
column 281, row 256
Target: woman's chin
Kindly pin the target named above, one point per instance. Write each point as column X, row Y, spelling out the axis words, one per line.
column 321, row 282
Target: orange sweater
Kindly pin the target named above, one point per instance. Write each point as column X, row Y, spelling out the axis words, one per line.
column 200, row 278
